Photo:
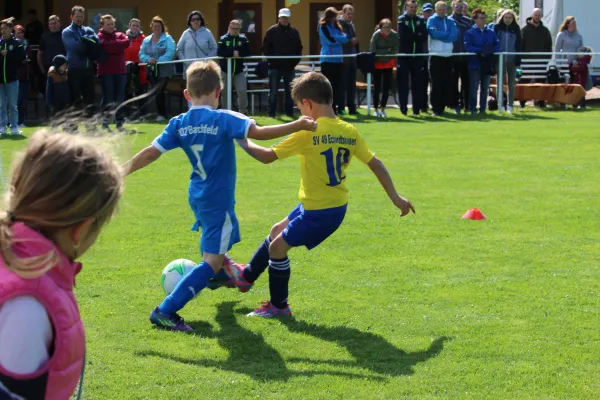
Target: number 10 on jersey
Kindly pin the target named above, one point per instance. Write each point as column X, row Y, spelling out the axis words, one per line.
column 335, row 167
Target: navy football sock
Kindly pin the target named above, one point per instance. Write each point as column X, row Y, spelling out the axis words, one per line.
column 259, row 261
column 279, row 279
column 187, row 288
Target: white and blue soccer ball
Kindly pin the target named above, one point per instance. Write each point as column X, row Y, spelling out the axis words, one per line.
column 174, row 272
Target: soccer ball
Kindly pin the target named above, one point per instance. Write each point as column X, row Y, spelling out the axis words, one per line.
column 174, row 272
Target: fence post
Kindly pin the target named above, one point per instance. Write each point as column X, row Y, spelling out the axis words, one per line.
column 369, row 94
column 500, row 83
column 229, row 85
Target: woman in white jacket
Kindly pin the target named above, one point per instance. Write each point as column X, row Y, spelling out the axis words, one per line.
column 196, row 41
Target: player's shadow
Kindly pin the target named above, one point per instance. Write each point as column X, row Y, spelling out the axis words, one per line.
column 370, row 351
column 249, row 354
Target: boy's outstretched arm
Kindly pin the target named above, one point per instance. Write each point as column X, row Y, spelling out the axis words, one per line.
column 277, row 131
column 141, row 160
column 265, row 155
column 385, row 179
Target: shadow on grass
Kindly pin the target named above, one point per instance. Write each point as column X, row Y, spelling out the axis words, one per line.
column 371, row 351
column 249, row 354
column 8, row 136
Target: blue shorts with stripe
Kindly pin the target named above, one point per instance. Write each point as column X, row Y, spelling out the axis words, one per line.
column 220, row 229
column 311, row 227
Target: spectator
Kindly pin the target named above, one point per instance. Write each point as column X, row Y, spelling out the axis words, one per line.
column 412, row 39
column 426, row 13
column 443, row 32
column 536, row 38
column 24, row 86
column 332, row 38
column 12, row 54
column 51, row 45
column 58, row 92
column 235, row 46
column 197, row 41
column 347, row 87
column 509, row 33
column 282, row 39
column 580, row 72
column 569, row 40
column 34, row 29
column 483, row 41
column 112, row 72
column 139, row 84
column 492, row 24
column 158, row 47
column 81, row 67
column 461, row 70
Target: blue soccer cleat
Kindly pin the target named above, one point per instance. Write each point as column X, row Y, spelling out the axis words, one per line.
column 169, row 321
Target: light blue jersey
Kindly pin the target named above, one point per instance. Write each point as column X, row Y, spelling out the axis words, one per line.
column 206, row 136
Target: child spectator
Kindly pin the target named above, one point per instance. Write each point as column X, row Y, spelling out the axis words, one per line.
column 63, row 191
column 580, row 72
column 58, row 92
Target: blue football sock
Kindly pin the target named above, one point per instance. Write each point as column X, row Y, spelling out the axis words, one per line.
column 259, row 261
column 279, row 279
column 187, row 288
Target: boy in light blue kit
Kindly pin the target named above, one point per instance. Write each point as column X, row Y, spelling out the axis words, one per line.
column 206, row 136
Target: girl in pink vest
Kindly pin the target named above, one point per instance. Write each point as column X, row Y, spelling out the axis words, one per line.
column 62, row 192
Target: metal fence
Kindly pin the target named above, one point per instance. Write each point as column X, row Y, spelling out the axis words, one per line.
column 501, row 56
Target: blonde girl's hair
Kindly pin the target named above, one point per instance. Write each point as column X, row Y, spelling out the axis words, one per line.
column 58, row 181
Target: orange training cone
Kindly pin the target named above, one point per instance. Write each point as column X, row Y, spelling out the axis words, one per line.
column 474, row 213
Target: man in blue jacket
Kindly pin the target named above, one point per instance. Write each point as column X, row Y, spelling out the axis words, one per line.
column 235, row 46
column 81, row 67
column 443, row 33
column 412, row 38
column 484, row 42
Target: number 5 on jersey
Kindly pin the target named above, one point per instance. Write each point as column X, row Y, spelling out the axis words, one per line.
column 197, row 150
column 335, row 168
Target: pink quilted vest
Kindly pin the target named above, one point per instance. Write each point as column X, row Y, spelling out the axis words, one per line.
column 55, row 291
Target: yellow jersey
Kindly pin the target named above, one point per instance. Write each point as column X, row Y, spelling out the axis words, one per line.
column 324, row 156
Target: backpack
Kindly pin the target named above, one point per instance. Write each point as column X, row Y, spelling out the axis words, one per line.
column 552, row 75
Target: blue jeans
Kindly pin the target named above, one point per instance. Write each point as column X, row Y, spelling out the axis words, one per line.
column 23, row 98
column 9, row 98
column 113, row 94
column 275, row 76
column 475, row 79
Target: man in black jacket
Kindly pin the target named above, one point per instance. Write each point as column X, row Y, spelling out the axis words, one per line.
column 412, row 37
column 347, row 89
column 282, row 39
column 235, row 46
column 461, row 71
column 12, row 55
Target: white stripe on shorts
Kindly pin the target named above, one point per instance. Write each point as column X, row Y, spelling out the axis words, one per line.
column 226, row 234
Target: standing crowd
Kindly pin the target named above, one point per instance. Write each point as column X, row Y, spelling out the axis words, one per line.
column 127, row 64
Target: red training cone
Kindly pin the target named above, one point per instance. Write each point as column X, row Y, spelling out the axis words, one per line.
column 474, row 213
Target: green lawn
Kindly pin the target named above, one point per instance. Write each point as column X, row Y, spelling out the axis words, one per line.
column 427, row 306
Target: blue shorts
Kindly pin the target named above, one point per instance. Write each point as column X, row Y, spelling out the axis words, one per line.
column 220, row 229
column 311, row 227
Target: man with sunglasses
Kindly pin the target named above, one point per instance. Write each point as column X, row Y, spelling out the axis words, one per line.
column 235, row 46
column 461, row 70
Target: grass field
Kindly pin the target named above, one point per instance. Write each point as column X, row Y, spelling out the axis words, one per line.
column 427, row 306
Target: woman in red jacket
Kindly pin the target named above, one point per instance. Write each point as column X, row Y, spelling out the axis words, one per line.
column 137, row 81
column 112, row 72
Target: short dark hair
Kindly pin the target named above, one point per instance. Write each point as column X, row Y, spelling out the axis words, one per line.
column 199, row 14
column 77, row 9
column 312, row 86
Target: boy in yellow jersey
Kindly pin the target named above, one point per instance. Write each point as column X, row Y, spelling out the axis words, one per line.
column 324, row 157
